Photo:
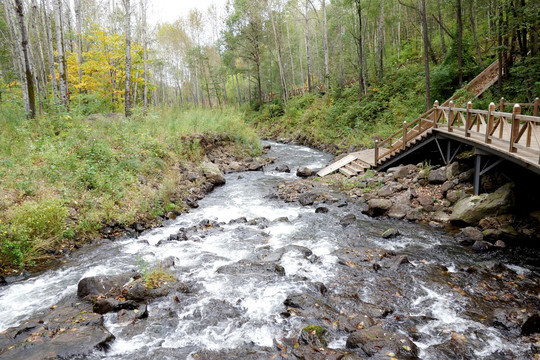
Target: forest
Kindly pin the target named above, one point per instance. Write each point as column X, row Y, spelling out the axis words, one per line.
column 95, row 95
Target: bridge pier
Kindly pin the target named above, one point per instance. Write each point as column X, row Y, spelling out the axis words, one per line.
column 488, row 165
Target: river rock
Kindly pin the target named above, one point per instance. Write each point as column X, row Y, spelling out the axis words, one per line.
column 389, row 190
column 63, row 333
column 252, row 269
column 283, row 168
column 276, row 255
column 531, row 325
column 466, row 176
column 307, row 198
column 255, row 165
column 212, row 173
column 376, row 341
column 472, row 209
column 377, row 207
column 95, row 286
column 481, row 246
column 309, row 307
column 416, row 214
column 304, row 172
column 313, row 335
column 139, row 291
column 403, row 171
column 390, row 233
column 321, row 210
column 446, row 186
column 348, row 219
column 469, row 236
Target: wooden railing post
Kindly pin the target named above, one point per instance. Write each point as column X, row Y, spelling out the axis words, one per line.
column 469, row 118
column 436, row 116
column 491, row 110
column 404, row 139
column 376, row 152
column 450, row 116
column 501, row 105
column 514, row 130
column 536, row 106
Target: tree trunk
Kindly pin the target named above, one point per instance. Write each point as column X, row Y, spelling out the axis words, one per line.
column 238, row 89
column 426, row 52
column 78, row 17
column 308, row 54
column 280, row 63
column 441, row 30
column 145, row 54
column 360, row 47
column 325, row 46
column 293, row 78
column 60, row 50
column 473, row 26
column 127, row 96
column 26, row 61
column 50, row 49
column 459, row 42
column 380, row 42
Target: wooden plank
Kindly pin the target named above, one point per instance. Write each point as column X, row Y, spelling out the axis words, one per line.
column 336, row 165
column 346, row 172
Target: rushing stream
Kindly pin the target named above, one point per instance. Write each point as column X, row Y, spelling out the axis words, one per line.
column 441, row 295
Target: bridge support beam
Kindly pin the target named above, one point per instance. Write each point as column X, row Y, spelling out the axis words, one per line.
column 479, row 170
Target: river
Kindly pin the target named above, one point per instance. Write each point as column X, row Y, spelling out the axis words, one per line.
column 443, row 297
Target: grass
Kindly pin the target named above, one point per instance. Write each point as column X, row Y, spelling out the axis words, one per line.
column 65, row 175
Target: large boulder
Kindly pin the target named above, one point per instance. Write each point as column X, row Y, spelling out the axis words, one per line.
column 437, row 176
column 63, row 333
column 472, row 209
column 212, row 173
column 376, row 341
column 94, row 286
column 377, row 207
column 304, row 172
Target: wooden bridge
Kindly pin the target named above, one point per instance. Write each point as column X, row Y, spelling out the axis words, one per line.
column 502, row 135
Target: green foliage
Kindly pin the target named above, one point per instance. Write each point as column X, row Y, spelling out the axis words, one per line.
column 106, row 168
column 317, row 330
column 33, row 228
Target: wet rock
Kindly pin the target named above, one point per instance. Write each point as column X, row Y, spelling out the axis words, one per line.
column 500, row 244
column 249, row 353
column 283, row 168
column 276, row 255
column 481, row 246
column 378, row 207
column 472, row 209
column 95, row 286
column 63, row 333
column 437, row 176
column 395, row 262
column 212, row 173
column 454, row 195
column 401, row 206
column 304, row 172
column 353, row 323
column 469, row 236
column 390, row 233
column 454, row 348
column 253, row 269
column 348, row 219
column 140, row 291
column 132, row 315
column 440, row 217
column 313, row 335
column 309, row 307
column 255, row 165
column 321, row 210
column 307, row 352
column 513, row 320
column 378, row 341
column 307, row 198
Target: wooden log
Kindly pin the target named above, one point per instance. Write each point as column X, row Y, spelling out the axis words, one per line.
column 490, row 122
column 514, row 128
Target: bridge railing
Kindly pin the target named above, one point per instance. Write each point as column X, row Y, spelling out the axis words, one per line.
column 516, row 131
